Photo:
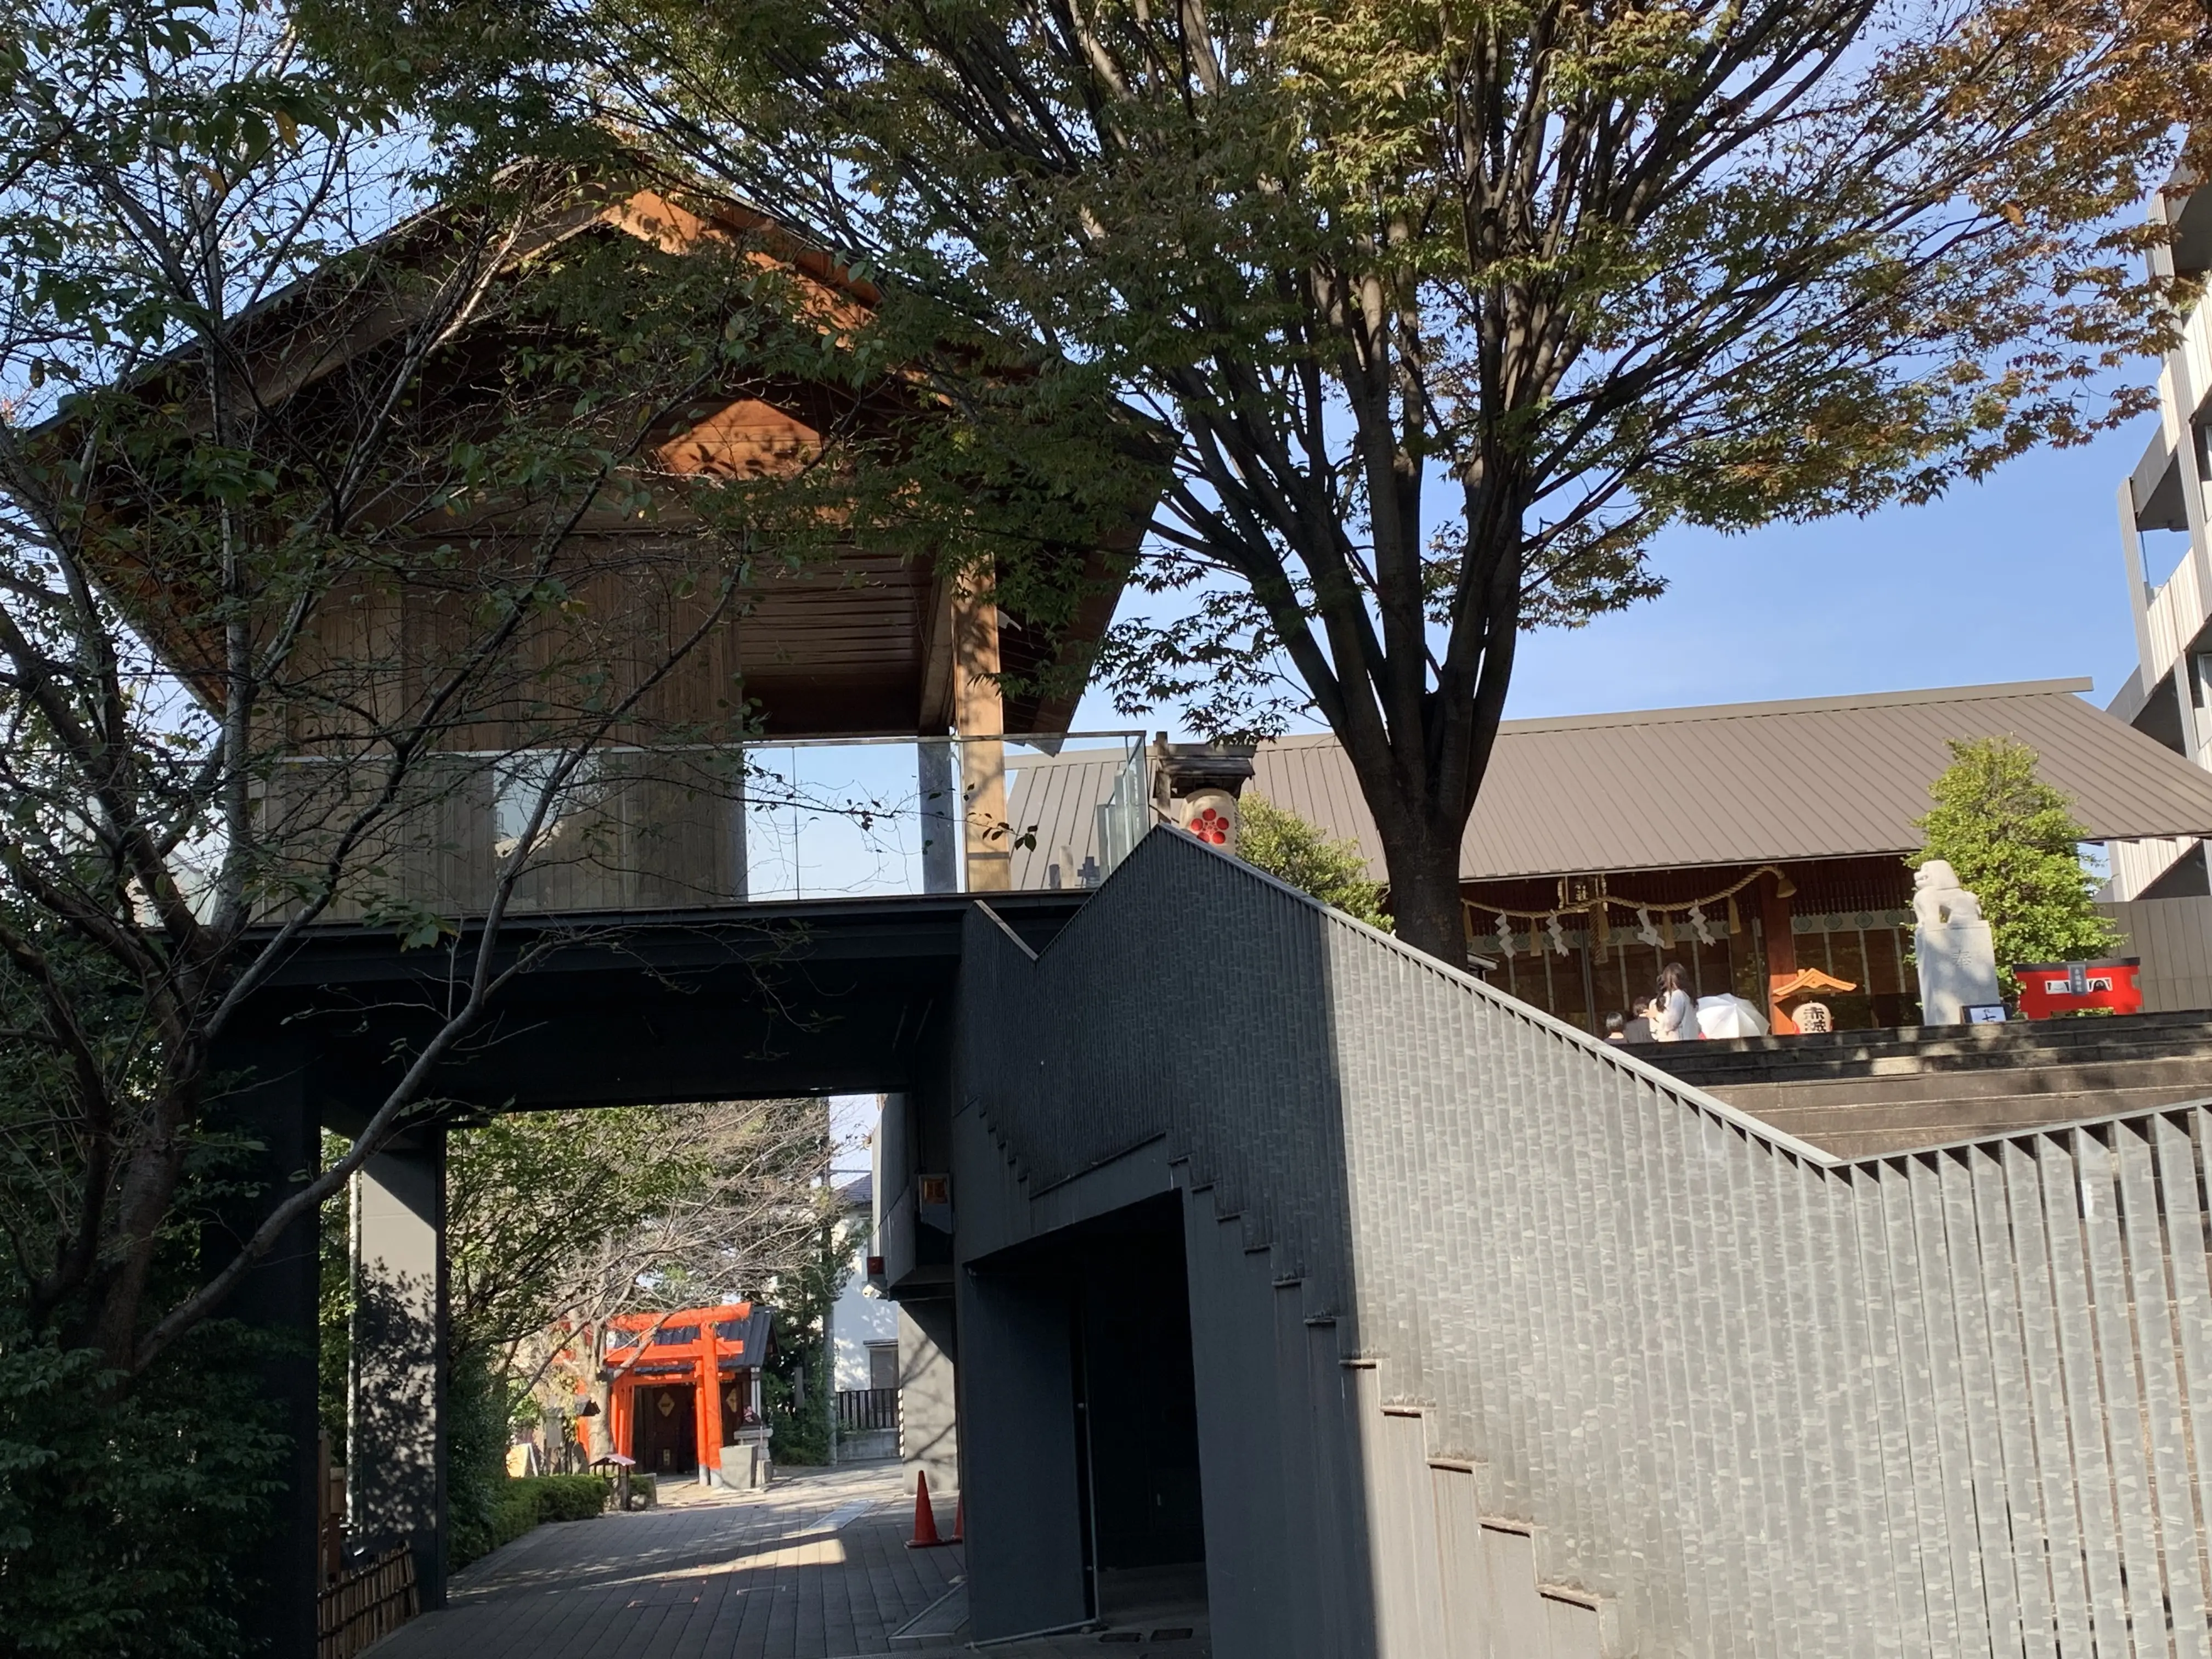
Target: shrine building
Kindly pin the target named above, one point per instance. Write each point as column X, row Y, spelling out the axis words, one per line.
column 1751, row 843
column 683, row 1393
column 1761, row 845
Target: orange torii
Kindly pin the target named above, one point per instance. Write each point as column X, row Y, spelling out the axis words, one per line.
column 684, row 1389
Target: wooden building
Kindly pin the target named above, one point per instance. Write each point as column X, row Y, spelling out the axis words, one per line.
column 751, row 599
column 1746, row 841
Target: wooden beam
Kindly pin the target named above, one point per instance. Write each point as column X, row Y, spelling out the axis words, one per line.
column 1781, row 951
column 979, row 712
column 938, row 626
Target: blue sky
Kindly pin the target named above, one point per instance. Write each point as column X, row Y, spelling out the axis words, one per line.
column 2017, row 578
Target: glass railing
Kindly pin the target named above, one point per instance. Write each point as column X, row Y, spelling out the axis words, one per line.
column 624, row 828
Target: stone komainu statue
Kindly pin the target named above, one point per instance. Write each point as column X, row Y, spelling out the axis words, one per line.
column 1937, row 898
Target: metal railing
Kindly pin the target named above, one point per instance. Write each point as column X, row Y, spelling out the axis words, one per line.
column 861, row 1410
column 626, row 827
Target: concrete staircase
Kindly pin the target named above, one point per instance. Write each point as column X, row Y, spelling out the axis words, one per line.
column 1508, row 1343
column 1447, row 1577
column 1861, row 1094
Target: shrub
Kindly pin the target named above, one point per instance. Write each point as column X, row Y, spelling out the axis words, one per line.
column 797, row 1434
column 477, row 1414
column 569, row 1497
column 514, row 1512
column 519, row 1505
column 1300, row 855
column 125, row 1514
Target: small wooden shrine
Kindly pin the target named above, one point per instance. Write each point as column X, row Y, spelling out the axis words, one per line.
column 684, row 1392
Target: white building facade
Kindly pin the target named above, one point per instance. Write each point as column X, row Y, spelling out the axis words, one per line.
column 2168, row 551
column 863, row 1326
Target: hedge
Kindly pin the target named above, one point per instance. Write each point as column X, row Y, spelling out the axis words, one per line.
column 522, row 1505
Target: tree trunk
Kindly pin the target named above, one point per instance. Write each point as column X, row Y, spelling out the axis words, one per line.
column 1425, row 902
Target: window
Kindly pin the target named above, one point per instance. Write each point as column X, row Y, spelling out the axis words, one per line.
column 882, row 1365
column 522, row 780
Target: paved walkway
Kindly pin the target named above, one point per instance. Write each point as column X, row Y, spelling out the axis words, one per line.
column 815, row 1568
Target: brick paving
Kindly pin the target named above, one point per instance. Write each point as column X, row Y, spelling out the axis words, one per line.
column 815, row 1568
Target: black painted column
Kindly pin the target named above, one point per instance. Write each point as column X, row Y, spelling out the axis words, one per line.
column 396, row 1399
column 1019, row 1456
column 268, row 1103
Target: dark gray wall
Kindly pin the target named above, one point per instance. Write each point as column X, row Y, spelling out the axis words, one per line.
column 269, row 1106
column 1135, row 1058
column 1024, row 1511
column 929, row 1427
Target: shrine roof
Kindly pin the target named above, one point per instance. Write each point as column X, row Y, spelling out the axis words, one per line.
column 1727, row 784
column 1760, row 782
column 856, row 642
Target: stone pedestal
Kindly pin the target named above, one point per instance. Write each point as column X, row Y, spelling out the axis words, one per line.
column 745, row 1463
column 1957, row 963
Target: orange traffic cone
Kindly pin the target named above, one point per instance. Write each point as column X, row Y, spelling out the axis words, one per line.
column 924, row 1518
column 960, row 1519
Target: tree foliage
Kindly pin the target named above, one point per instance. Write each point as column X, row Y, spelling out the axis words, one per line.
column 213, row 500
column 1438, row 315
column 122, row 1511
column 1290, row 849
column 557, row 1220
column 255, row 396
column 2015, row 845
column 799, row 1387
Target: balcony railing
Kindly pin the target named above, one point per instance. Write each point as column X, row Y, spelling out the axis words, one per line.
column 630, row 828
column 861, row 1410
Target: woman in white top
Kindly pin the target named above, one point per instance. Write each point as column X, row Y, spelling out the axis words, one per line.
column 1674, row 1015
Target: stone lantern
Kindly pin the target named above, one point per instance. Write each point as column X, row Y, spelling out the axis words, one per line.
column 1196, row 787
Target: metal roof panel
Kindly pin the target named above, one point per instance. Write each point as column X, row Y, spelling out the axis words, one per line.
column 1746, row 783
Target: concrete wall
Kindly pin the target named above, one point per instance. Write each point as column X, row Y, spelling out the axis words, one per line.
column 396, row 1400
column 1591, row 1362
column 2173, row 937
column 929, row 1397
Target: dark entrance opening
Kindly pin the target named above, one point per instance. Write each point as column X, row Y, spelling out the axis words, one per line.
column 1137, row 1412
column 667, row 1435
column 1079, row 1381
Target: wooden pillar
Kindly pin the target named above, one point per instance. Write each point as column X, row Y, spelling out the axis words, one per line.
column 620, row 1435
column 1780, row 949
column 979, row 712
column 710, row 1406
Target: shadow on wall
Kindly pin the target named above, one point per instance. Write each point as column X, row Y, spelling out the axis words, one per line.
column 396, row 1485
column 1179, row 1032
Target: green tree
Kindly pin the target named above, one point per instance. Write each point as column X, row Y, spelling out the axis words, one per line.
column 800, row 1391
column 1436, row 315
column 123, row 1511
column 203, row 490
column 2013, row 841
column 1290, row 849
column 557, row 1220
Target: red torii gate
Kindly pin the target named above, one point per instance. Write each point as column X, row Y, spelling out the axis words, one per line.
column 717, row 1352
